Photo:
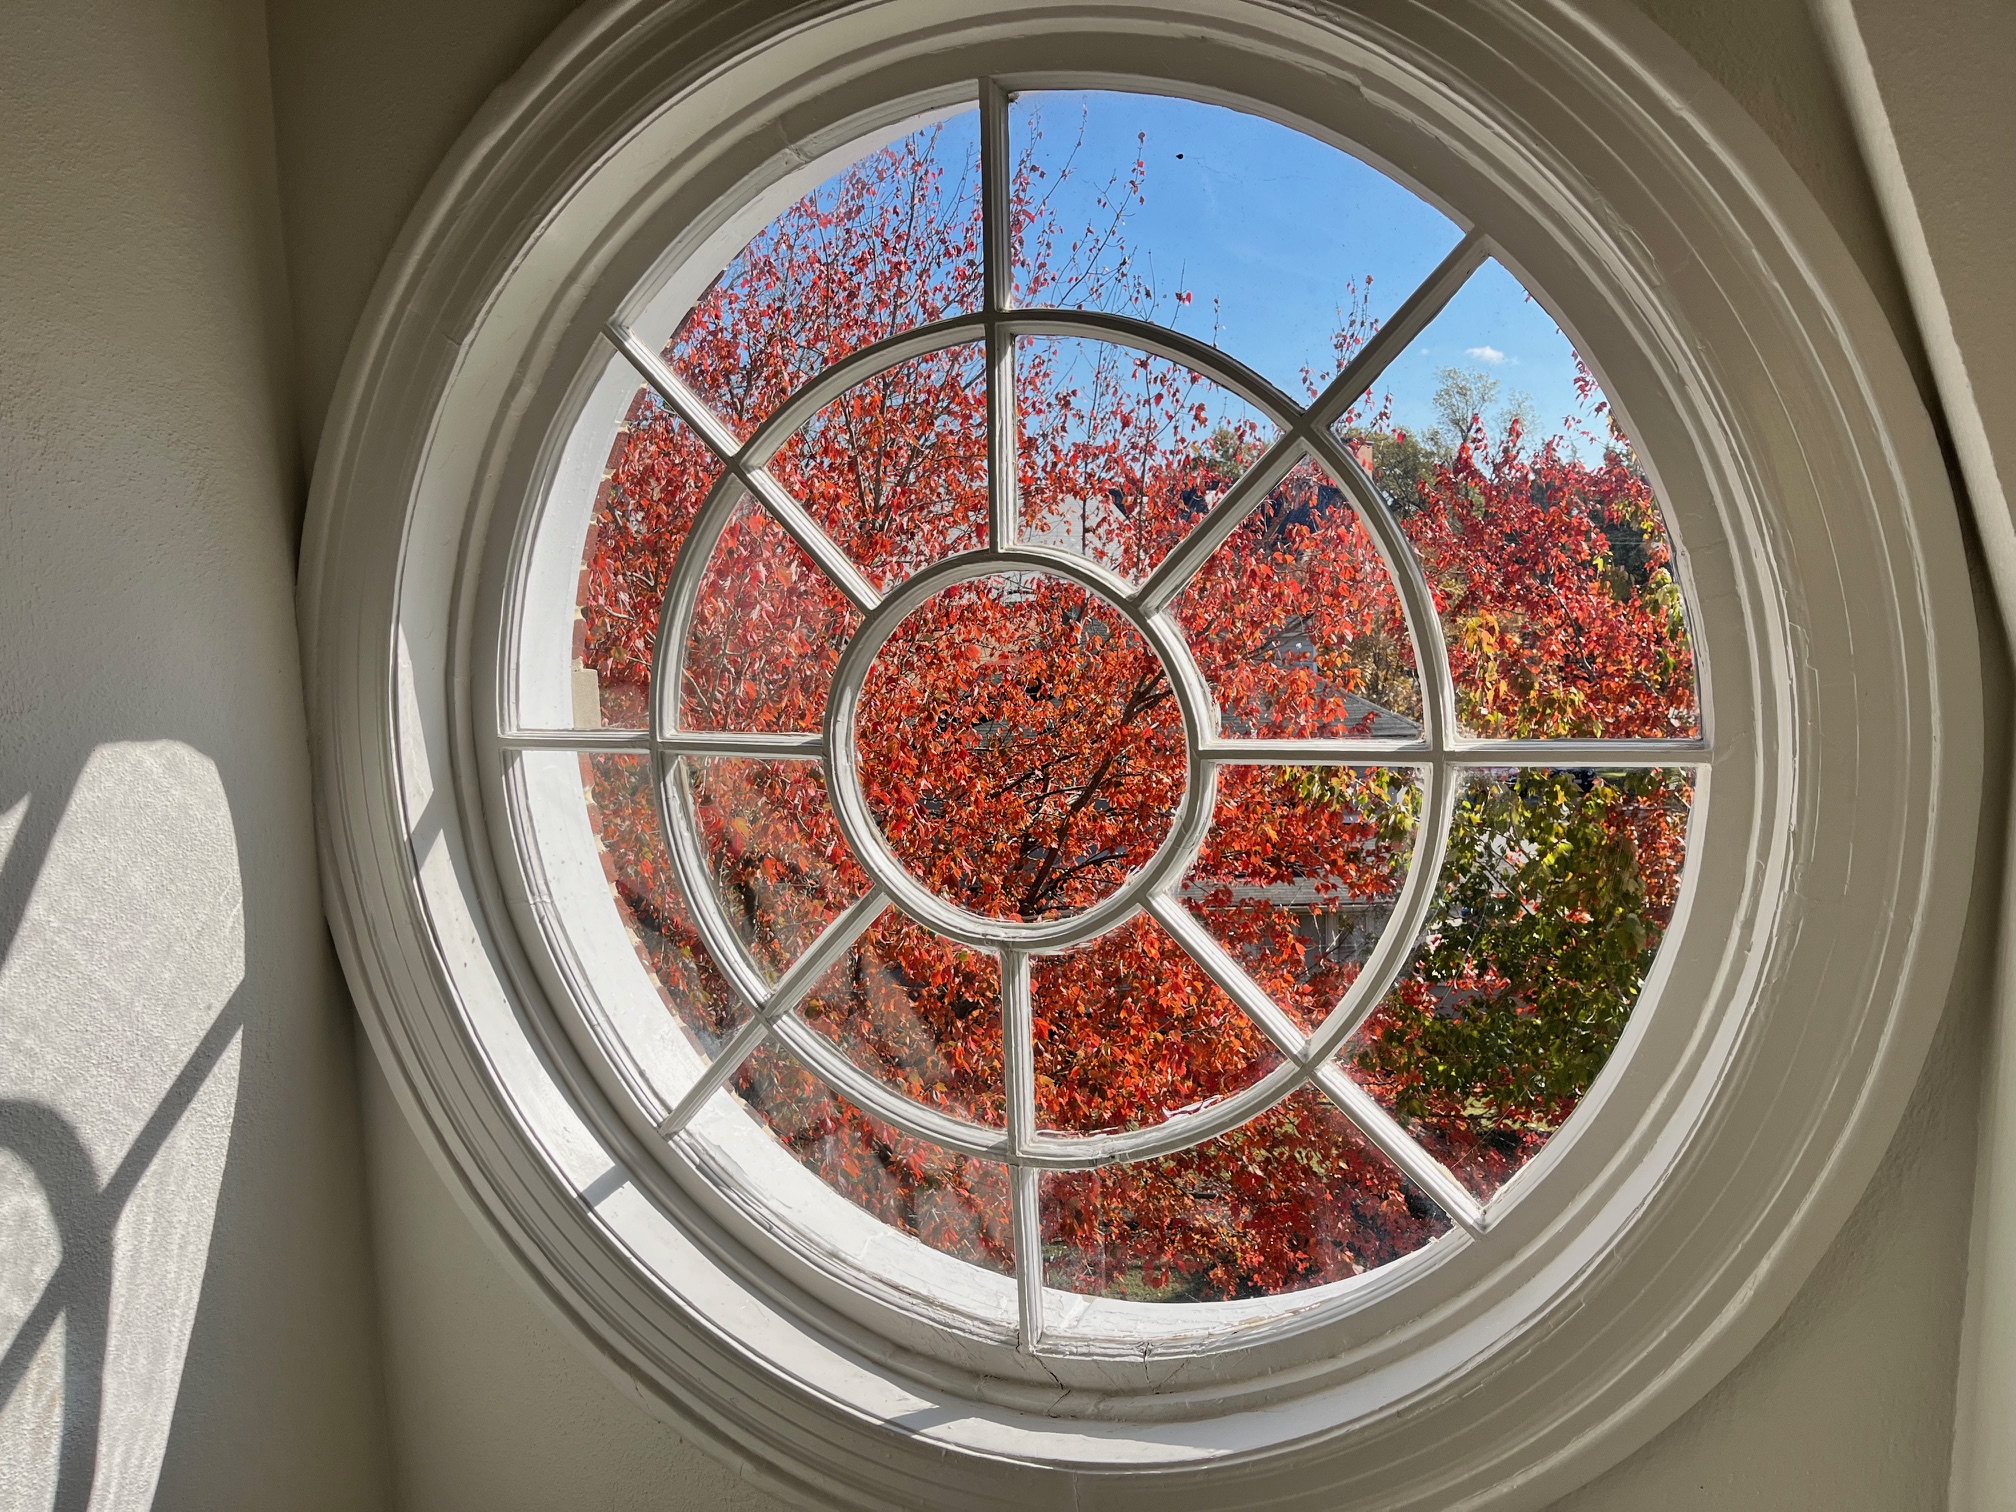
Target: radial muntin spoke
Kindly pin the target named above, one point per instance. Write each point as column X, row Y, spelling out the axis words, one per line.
column 1602, row 755
column 1345, row 752
column 673, row 389
column 793, row 745
column 807, row 532
column 1391, row 339
column 727, row 1061
column 997, row 293
column 1312, row 1054
column 787, row 511
column 616, row 742
column 1175, row 571
column 1018, row 1064
column 833, row 942
column 879, row 1100
column 1356, row 1104
column 1426, row 1172
column 1217, row 963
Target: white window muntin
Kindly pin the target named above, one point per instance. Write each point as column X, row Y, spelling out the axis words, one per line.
column 673, row 1094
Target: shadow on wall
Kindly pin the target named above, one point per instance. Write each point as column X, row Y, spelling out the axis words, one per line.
column 122, row 954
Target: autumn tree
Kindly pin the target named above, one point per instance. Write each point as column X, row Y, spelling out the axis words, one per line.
column 1020, row 749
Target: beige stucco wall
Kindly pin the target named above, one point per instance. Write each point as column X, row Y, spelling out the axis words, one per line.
column 1937, row 122
column 186, row 1317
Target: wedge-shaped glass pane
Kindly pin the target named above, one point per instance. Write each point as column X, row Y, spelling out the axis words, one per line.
column 659, row 475
column 780, row 867
column 1121, row 453
column 1299, row 874
column 895, row 469
column 1019, row 746
column 1541, row 537
column 766, row 633
column 1280, row 249
column 1294, row 1199
column 1554, row 896
column 1296, row 623
column 888, row 243
column 920, row 1013
column 623, row 811
column 952, row 1202
column 1129, row 1030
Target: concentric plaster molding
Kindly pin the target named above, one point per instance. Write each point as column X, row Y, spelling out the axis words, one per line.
column 1761, row 1077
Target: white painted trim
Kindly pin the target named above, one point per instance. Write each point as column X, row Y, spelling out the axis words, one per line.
column 1758, row 1084
column 1843, row 36
column 1983, row 1476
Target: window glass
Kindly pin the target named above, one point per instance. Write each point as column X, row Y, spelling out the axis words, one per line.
column 1279, row 249
column 623, row 808
column 920, row 1013
column 1129, row 1030
column 1104, row 861
column 659, row 475
column 1298, row 627
column 1542, row 540
column 1121, row 452
column 949, row 1201
column 895, row 469
column 1294, row 1199
column 767, row 628
column 1300, row 873
column 780, row 868
column 1551, row 905
column 889, row 243
column 1019, row 746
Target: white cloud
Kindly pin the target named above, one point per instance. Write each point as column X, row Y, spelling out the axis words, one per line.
column 1488, row 354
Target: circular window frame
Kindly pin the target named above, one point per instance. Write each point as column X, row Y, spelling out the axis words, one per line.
column 1669, row 1249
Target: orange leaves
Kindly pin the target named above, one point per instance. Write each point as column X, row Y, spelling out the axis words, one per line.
column 660, row 474
column 1121, row 452
column 1299, row 874
column 919, row 1013
column 1294, row 1199
column 1554, row 582
column 1130, row 1030
column 623, row 808
column 1020, row 747
column 895, row 469
column 1296, row 625
column 779, row 864
column 767, row 630
column 888, row 244
column 951, row 1202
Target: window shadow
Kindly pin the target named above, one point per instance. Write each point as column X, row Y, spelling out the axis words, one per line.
column 80, row 1289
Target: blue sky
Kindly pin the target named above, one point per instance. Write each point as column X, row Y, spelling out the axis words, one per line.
column 1273, row 225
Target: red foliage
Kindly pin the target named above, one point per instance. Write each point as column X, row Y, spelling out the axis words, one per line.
column 1020, row 750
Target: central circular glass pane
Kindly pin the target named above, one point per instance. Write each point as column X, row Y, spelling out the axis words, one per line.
column 1020, row 746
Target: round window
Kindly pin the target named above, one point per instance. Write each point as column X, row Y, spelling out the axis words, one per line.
column 1083, row 757
column 1135, row 826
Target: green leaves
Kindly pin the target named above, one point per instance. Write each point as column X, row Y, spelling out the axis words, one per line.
column 1557, row 888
